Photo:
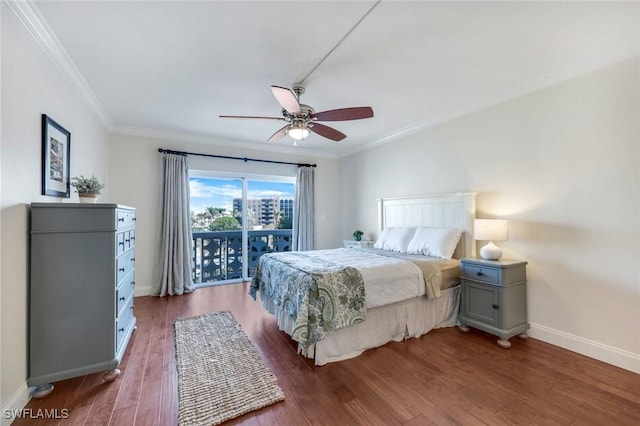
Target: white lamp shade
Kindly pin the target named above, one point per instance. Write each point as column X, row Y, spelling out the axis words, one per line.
column 491, row 230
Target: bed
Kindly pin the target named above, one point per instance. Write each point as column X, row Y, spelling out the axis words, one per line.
column 337, row 303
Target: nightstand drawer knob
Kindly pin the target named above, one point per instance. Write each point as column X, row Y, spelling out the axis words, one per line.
column 495, row 306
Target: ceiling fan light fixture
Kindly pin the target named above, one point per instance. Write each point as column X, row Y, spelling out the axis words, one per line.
column 298, row 130
column 298, row 133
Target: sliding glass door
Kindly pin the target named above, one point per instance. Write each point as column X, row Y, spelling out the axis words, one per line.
column 235, row 220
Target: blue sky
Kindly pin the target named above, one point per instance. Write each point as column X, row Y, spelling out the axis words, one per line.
column 206, row 192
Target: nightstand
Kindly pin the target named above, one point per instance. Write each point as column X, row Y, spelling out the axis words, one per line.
column 358, row 244
column 494, row 298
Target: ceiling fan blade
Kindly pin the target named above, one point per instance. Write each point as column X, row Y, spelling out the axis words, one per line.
column 344, row 114
column 279, row 134
column 326, row 131
column 286, row 98
column 251, row 116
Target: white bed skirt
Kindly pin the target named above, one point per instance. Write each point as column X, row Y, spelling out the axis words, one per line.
column 395, row 322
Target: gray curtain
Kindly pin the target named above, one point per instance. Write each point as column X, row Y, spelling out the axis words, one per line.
column 175, row 264
column 303, row 217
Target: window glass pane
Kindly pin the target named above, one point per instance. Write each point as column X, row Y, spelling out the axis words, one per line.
column 270, row 204
column 219, row 217
column 270, row 217
column 217, row 230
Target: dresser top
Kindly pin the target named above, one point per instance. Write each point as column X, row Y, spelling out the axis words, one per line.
column 81, row 205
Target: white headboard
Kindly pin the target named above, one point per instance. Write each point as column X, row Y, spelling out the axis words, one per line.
column 439, row 210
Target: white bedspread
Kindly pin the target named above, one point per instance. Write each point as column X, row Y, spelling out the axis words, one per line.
column 387, row 279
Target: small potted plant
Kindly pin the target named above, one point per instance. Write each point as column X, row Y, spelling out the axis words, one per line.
column 357, row 234
column 87, row 188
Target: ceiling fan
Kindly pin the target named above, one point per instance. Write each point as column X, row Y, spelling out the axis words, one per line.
column 301, row 118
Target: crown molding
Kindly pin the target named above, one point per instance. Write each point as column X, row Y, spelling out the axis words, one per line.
column 498, row 98
column 29, row 15
column 175, row 136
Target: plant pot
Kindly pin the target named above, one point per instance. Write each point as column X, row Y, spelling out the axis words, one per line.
column 88, row 198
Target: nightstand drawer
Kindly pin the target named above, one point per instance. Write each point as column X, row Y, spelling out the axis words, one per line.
column 481, row 273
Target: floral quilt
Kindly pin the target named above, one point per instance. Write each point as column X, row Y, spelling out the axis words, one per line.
column 321, row 296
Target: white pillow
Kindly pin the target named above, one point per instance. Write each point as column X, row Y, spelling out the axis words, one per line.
column 395, row 239
column 435, row 242
column 383, row 236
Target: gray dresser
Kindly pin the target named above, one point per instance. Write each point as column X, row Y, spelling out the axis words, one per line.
column 494, row 297
column 81, row 290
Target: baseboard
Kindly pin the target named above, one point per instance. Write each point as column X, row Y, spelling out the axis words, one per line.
column 16, row 402
column 601, row 352
column 142, row 291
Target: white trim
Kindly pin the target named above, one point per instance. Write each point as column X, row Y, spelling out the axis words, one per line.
column 30, row 16
column 17, row 401
column 170, row 135
column 605, row 353
column 496, row 99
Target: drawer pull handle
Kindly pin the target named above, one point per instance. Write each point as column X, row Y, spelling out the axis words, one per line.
column 122, row 298
column 133, row 283
column 121, row 243
column 121, row 269
column 134, row 219
column 132, row 307
column 133, row 259
column 495, row 306
column 479, row 273
column 127, row 241
column 121, row 219
column 121, row 330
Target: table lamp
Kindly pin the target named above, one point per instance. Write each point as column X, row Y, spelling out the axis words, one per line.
column 490, row 230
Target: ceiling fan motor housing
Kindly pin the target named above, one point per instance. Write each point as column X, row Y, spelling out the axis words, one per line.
column 305, row 113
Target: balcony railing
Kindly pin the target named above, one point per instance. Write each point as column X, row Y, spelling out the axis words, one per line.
column 217, row 255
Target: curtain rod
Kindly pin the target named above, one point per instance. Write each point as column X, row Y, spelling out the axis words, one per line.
column 245, row 159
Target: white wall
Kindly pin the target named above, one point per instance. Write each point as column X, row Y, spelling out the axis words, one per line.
column 135, row 179
column 31, row 85
column 1, row 339
column 563, row 165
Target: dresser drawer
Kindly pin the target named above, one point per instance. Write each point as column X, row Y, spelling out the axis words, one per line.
column 125, row 219
column 120, row 246
column 124, row 290
column 123, row 323
column 132, row 239
column 125, row 240
column 124, row 265
column 481, row 273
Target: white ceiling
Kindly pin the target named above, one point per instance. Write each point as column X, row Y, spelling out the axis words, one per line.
column 172, row 67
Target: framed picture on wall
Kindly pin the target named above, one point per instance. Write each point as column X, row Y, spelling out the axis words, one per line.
column 56, row 148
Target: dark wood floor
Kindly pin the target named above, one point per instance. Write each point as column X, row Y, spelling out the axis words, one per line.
column 445, row 377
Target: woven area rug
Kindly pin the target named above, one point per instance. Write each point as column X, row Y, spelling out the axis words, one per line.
column 220, row 373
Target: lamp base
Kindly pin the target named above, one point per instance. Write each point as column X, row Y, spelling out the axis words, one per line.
column 491, row 252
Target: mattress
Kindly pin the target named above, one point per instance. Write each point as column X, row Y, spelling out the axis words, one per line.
column 390, row 277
